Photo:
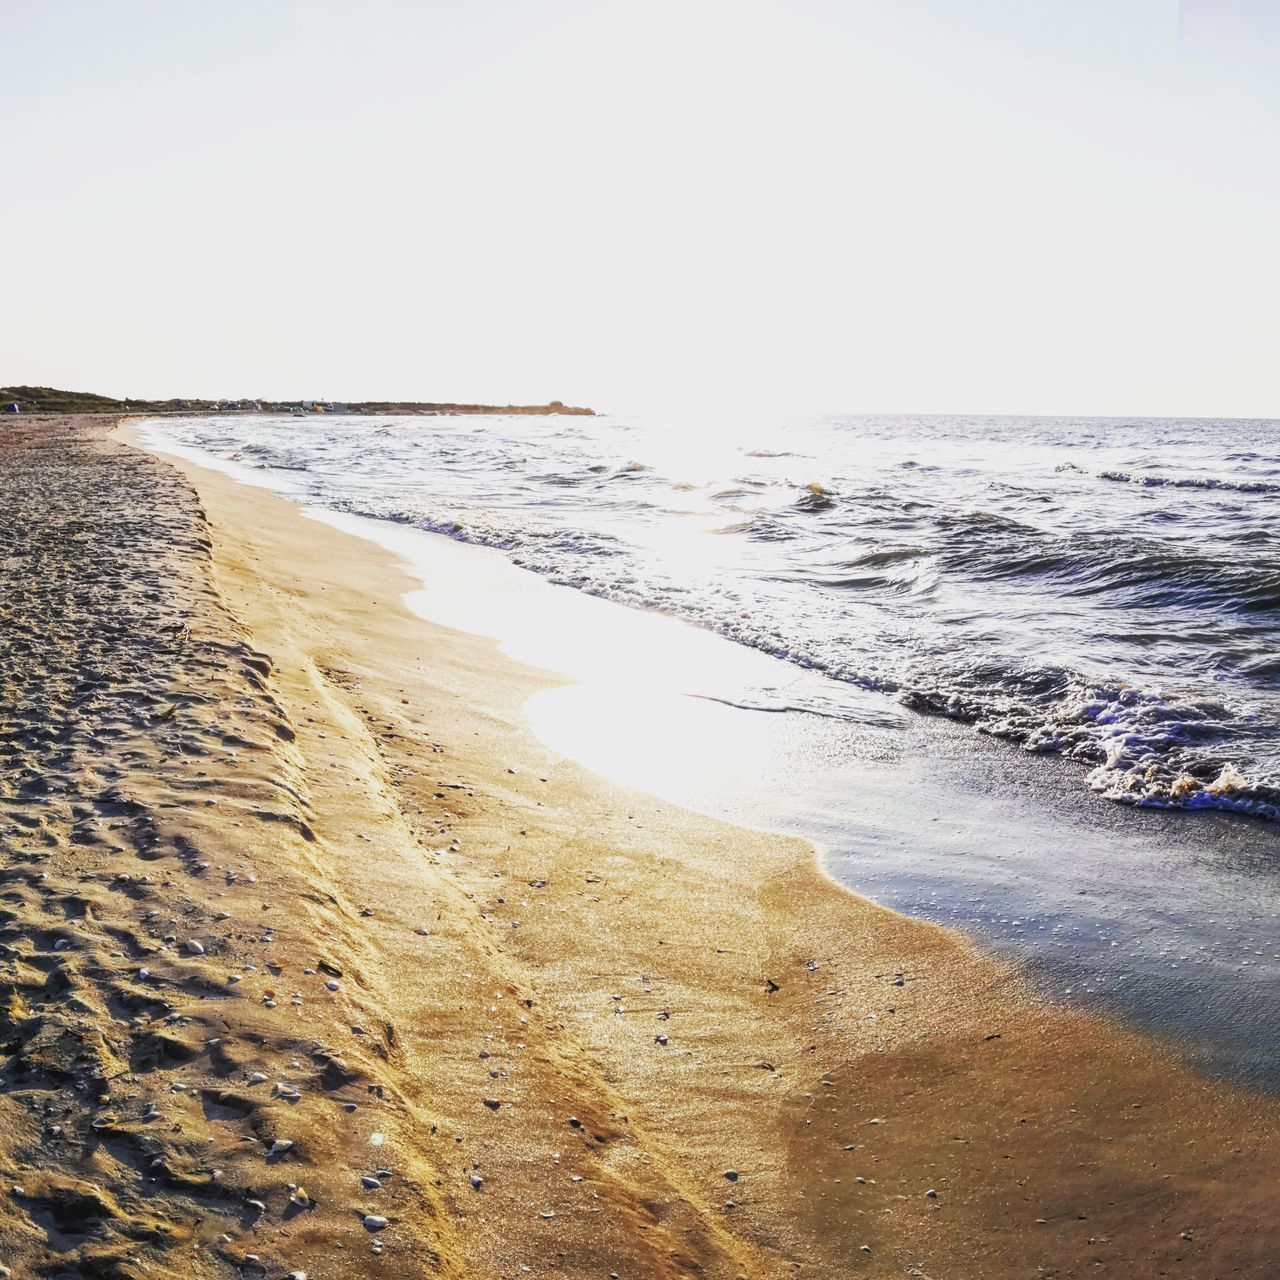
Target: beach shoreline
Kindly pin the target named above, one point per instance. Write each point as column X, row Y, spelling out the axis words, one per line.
column 1160, row 916
column 567, row 1011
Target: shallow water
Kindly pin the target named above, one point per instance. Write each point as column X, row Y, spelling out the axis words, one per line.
column 1104, row 590
column 1165, row 916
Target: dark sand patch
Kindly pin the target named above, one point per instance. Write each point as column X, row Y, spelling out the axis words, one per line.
column 148, row 801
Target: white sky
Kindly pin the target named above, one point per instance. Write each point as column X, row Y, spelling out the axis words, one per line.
column 1059, row 206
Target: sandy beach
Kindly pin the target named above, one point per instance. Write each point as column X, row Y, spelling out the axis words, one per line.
column 316, row 959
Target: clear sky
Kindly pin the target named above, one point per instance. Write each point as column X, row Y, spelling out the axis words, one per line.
column 1059, row 206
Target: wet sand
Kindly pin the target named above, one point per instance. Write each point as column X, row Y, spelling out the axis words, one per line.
column 543, row 1017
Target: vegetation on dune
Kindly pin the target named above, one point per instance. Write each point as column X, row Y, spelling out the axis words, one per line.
column 51, row 400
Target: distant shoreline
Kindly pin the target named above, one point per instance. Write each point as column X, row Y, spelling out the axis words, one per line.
column 51, row 400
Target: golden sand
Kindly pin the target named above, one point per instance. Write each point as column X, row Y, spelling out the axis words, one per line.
column 585, row 1032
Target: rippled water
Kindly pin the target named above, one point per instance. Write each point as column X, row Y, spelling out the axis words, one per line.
column 1105, row 590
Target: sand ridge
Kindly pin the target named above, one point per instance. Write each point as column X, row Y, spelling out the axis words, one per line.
column 555, row 1027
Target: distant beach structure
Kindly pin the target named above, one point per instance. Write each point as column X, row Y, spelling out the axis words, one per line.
column 12, row 407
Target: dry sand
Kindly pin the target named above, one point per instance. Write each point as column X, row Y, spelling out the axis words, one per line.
column 581, row 1031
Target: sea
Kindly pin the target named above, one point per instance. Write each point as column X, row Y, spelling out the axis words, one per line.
column 1053, row 639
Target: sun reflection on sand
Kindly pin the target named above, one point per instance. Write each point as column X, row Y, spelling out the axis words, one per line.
column 653, row 702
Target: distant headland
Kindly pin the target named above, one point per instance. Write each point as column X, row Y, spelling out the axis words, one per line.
column 50, row 400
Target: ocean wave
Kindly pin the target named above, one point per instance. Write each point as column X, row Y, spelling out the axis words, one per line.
column 1140, row 747
column 1152, row 481
column 971, row 569
column 1127, row 570
column 268, row 464
column 764, row 527
column 1144, row 748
